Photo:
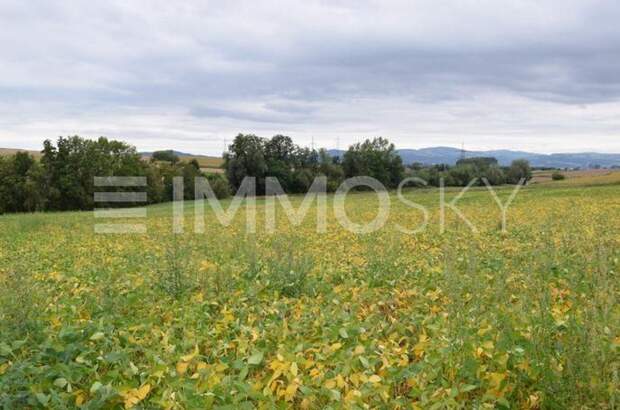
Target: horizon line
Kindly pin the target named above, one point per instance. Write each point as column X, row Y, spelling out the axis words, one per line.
column 481, row 150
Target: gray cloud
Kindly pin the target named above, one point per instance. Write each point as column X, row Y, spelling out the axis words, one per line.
column 525, row 75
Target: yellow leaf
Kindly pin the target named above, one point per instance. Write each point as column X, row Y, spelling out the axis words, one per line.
column 189, row 357
column 135, row 396
column 359, row 349
column 340, row 381
column 143, row 391
column 496, row 379
column 352, row 395
column 220, row 367
column 182, row 368
column 374, row 378
column 293, row 369
column 290, row 392
column 80, row 398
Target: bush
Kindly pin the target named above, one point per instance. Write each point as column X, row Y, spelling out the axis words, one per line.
column 519, row 170
column 167, row 156
column 558, row 176
column 219, row 185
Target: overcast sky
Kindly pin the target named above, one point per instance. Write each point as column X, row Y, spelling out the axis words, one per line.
column 542, row 76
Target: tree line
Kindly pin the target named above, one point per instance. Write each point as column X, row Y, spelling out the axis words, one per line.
column 467, row 170
column 62, row 178
column 296, row 167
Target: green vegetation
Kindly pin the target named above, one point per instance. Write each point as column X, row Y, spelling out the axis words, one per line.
column 480, row 169
column 558, row 176
column 528, row 318
column 63, row 178
column 167, row 156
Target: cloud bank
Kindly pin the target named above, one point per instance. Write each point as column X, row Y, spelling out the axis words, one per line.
column 530, row 75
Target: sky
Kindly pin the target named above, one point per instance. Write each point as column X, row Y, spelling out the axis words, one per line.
column 540, row 76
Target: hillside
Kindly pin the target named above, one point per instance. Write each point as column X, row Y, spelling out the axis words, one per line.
column 449, row 155
column 11, row 151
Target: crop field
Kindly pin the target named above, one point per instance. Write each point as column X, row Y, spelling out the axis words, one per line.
column 582, row 177
column 12, row 151
column 522, row 318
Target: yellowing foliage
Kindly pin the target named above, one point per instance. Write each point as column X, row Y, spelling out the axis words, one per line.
column 527, row 318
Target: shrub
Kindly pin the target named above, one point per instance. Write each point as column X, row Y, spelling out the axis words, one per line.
column 558, row 176
column 519, row 170
column 219, row 185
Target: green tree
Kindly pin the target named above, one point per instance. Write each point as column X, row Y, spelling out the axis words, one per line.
column 376, row 158
column 20, row 184
column 167, row 156
column 71, row 165
column 519, row 169
column 280, row 159
column 246, row 157
column 329, row 168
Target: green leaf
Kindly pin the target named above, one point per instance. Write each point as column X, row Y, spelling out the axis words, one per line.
column 97, row 336
column 256, row 358
column 467, row 387
column 42, row 398
column 60, row 382
column 5, row 349
column 343, row 333
column 244, row 373
column 95, row 387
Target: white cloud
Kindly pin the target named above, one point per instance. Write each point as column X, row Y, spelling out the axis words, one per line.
column 529, row 75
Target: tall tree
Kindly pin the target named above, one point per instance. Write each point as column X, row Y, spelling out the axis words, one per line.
column 519, row 169
column 246, row 157
column 376, row 158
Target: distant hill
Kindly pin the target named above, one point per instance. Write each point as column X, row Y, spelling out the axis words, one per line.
column 433, row 155
column 449, row 155
column 177, row 153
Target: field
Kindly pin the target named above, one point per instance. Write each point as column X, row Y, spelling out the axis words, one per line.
column 581, row 177
column 12, row 151
column 526, row 318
